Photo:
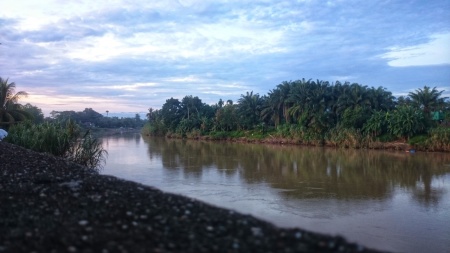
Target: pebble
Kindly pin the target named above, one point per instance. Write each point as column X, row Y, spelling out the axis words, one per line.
column 83, row 222
column 120, row 223
column 256, row 231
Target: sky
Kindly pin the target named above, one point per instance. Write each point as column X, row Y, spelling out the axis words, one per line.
column 126, row 56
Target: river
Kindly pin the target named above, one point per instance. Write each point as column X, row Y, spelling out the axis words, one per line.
column 395, row 201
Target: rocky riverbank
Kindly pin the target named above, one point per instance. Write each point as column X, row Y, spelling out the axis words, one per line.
column 51, row 205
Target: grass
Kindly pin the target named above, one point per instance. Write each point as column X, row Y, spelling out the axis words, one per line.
column 63, row 140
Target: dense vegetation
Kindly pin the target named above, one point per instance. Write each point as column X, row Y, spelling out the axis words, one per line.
column 90, row 118
column 11, row 111
column 28, row 128
column 64, row 140
column 313, row 112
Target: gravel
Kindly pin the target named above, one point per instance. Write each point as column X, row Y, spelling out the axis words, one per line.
column 48, row 204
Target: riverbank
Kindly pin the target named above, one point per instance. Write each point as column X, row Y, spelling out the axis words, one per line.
column 102, row 132
column 375, row 145
column 395, row 145
column 51, row 205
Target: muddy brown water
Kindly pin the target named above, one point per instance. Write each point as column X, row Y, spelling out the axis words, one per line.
column 395, row 201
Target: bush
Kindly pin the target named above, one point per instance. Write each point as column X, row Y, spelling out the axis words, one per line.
column 345, row 137
column 439, row 139
column 155, row 128
column 219, row 135
column 418, row 141
column 63, row 140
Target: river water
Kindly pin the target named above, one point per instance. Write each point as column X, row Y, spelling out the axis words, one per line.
column 395, row 201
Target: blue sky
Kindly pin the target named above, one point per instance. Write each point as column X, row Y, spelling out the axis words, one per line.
column 127, row 56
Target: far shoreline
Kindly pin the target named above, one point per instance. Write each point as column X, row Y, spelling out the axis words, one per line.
column 394, row 145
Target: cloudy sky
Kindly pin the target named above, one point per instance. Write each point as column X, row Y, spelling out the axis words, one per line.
column 127, row 56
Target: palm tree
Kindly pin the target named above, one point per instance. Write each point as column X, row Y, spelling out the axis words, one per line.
column 427, row 99
column 271, row 111
column 10, row 111
column 284, row 90
column 249, row 109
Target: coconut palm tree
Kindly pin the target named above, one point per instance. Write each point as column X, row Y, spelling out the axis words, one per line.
column 10, row 111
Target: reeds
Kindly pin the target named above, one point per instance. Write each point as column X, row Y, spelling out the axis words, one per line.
column 63, row 140
column 439, row 139
column 87, row 151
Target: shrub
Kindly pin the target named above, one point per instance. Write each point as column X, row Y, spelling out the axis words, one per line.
column 439, row 139
column 418, row 141
column 345, row 137
column 63, row 140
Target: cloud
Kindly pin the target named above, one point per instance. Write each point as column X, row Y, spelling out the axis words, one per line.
column 136, row 54
column 435, row 52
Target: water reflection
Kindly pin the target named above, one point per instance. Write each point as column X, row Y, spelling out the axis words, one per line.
column 309, row 172
column 386, row 200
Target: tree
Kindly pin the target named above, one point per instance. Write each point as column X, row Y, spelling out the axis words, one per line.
column 10, row 111
column 381, row 99
column 190, row 107
column 376, row 125
column 427, row 99
column 137, row 117
column 403, row 101
column 249, row 109
column 171, row 113
column 220, row 103
column 151, row 114
column 405, row 121
column 226, row 118
column 271, row 112
column 35, row 112
column 283, row 102
column 90, row 115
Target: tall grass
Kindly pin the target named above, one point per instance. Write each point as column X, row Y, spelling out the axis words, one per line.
column 439, row 139
column 87, row 151
column 345, row 137
column 63, row 140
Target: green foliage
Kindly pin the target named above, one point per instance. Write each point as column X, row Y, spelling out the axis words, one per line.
column 427, row 99
column 219, row 135
column 47, row 137
column 354, row 117
column 304, row 111
column 405, row 121
column 236, row 134
column 439, row 139
column 387, row 137
column 87, row 151
column 154, row 128
column 10, row 111
column 249, row 110
column 90, row 118
column 226, row 118
column 418, row 141
column 377, row 124
column 62, row 140
column 35, row 113
column 345, row 137
column 194, row 134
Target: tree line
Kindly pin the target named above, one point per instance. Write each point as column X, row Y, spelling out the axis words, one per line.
column 90, row 118
column 311, row 111
column 61, row 137
column 12, row 112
